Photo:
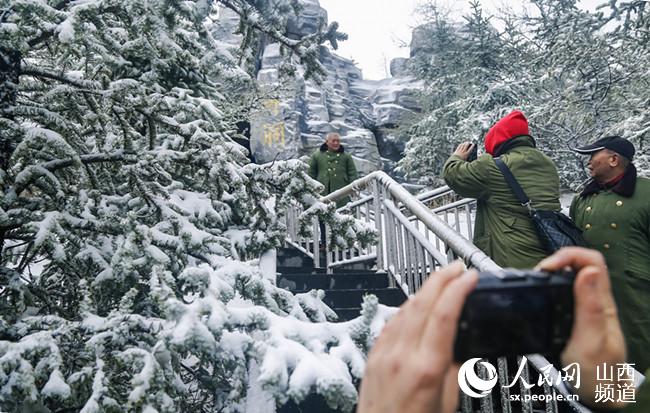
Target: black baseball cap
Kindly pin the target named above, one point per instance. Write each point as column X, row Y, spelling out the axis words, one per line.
column 617, row 144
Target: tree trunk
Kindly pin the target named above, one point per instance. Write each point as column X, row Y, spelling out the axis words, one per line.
column 9, row 73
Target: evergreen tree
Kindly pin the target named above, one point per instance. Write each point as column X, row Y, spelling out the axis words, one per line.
column 578, row 75
column 131, row 222
column 464, row 69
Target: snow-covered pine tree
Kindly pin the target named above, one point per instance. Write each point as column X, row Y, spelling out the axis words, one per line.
column 130, row 221
column 629, row 26
column 578, row 75
column 464, row 69
column 571, row 82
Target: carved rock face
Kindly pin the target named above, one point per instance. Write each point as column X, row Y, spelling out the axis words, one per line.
column 295, row 120
column 309, row 21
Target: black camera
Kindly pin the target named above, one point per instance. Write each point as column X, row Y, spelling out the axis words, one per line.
column 474, row 153
column 516, row 312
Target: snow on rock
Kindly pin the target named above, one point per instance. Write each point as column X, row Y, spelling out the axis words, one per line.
column 294, row 122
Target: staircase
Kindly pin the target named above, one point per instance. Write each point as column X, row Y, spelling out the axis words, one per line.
column 344, row 288
column 416, row 236
column 344, row 291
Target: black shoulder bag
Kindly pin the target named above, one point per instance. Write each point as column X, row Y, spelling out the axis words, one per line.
column 555, row 229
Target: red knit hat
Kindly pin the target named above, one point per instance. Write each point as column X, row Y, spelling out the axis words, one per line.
column 508, row 127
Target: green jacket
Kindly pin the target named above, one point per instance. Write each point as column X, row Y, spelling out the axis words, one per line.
column 616, row 222
column 503, row 229
column 332, row 169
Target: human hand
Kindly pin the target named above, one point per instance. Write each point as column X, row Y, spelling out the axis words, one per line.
column 596, row 337
column 463, row 150
column 410, row 368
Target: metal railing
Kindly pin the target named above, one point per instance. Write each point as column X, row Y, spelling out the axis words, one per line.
column 418, row 235
column 413, row 242
column 456, row 211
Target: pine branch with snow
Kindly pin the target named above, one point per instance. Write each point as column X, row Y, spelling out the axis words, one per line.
column 577, row 75
column 131, row 222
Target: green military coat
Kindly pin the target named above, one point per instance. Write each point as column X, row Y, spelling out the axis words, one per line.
column 503, row 229
column 616, row 222
column 332, row 169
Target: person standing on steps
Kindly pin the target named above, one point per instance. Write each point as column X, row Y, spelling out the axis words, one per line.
column 503, row 227
column 613, row 211
column 332, row 167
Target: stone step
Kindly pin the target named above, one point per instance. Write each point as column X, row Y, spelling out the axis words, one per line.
column 306, row 262
column 313, row 403
column 353, row 298
column 337, row 281
column 310, row 271
column 292, row 258
column 297, row 261
column 347, row 314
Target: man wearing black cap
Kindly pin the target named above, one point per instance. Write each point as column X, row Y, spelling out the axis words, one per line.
column 614, row 212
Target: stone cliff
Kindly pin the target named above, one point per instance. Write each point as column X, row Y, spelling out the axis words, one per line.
column 297, row 116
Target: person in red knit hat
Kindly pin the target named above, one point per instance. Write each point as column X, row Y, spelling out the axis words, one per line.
column 503, row 228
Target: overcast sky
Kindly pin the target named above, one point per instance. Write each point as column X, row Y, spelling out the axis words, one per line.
column 378, row 29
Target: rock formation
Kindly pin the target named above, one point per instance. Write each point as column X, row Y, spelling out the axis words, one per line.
column 296, row 118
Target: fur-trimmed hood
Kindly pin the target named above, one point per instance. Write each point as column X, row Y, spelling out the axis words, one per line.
column 323, row 148
column 625, row 187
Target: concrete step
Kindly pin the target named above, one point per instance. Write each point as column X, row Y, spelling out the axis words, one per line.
column 347, row 314
column 337, row 281
column 353, row 298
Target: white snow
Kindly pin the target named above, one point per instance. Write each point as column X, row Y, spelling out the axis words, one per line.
column 257, row 400
column 66, row 29
column 56, row 386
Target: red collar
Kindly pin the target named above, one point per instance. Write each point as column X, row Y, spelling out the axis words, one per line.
column 614, row 181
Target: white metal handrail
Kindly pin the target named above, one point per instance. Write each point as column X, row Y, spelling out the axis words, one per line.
column 440, row 234
column 415, row 240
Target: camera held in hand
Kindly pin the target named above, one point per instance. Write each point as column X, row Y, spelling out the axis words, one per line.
column 474, row 153
column 516, row 312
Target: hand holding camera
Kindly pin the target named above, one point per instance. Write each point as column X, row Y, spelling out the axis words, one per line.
column 467, row 151
column 411, row 366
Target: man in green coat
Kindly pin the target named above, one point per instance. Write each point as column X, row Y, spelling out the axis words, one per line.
column 332, row 166
column 503, row 228
column 614, row 212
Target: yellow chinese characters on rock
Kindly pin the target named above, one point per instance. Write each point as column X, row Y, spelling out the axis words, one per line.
column 273, row 134
column 273, row 106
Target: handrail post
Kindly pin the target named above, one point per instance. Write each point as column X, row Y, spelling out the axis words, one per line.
column 316, row 242
column 379, row 204
column 328, row 257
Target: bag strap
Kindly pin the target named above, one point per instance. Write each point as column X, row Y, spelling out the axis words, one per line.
column 514, row 185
